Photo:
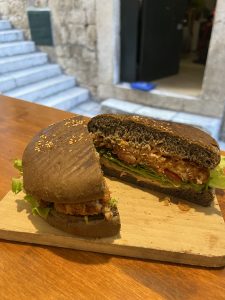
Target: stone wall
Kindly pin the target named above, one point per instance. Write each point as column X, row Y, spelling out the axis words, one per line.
column 74, row 33
column 87, row 45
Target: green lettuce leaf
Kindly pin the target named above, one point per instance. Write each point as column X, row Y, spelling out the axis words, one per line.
column 136, row 169
column 41, row 211
column 217, row 175
column 18, row 165
column 151, row 174
column 17, row 185
column 113, row 202
column 36, row 209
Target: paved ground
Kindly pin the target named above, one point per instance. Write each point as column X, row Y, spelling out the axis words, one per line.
column 88, row 108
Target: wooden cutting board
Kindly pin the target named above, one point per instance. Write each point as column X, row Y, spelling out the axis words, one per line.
column 153, row 227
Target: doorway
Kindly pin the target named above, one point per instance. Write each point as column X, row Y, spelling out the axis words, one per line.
column 166, row 42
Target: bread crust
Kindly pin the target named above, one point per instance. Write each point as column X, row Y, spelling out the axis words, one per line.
column 60, row 164
column 95, row 227
column 174, row 139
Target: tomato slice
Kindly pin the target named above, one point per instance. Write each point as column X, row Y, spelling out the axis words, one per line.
column 172, row 175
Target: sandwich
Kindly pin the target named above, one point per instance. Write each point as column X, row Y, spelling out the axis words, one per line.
column 175, row 159
column 64, row 183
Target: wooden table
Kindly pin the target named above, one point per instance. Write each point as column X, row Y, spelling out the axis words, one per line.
column 41, row 272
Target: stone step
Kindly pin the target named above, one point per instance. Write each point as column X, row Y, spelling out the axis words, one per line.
column 21, row 62
column 13, row 80
column 42, row 89
column 11, row 35
column 88, row 108
column 16, row 48
column 4, row 25
column 66, row 100
column 209, row 124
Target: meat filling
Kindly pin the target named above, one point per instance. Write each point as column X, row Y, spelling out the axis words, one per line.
column 144, row 154
column 84, row 209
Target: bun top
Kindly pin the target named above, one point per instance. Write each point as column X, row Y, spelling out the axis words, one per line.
column 60, row 164
column 175, row 139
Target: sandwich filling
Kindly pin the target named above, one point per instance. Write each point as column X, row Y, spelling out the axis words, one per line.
column 102, row 208
column 145, row 160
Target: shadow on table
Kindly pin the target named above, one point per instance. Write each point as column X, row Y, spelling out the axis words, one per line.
column 81, row 257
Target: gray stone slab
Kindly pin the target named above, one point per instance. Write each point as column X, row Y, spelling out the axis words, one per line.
column 43, row 88
column 21, row 62
column 11, row 35
column 120, row 106
column 116, row 105
column 4, row 24
column 210, row 125
column 89, row 106
column 156, row 113
column 84, row 108
column 91, row 113
column 79, row 111
column 181, row 116
column 222, row 145
column 67, row 99
column 16, row 79
column 7, row 83
column 222, row 128
column 35, row 74
column 16, row 48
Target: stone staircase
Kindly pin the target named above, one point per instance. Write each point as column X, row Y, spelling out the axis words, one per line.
column 26, row 73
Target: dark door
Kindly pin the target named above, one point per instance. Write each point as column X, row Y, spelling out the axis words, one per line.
column 129, row 39
column 161, row 38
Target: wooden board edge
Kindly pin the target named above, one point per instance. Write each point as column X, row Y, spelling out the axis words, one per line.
column 112, row 249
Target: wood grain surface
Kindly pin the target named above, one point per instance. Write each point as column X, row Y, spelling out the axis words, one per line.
column 152, row 227
column 43, row 272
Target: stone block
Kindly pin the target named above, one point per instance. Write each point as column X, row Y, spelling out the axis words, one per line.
column 77, row 34
column 4, row 24
column 43, row 88
column 116, row 105
column 16, row 48
column 91, row 16
column 21, row 62
column 91, row 37
column 89, row 56
column 90, row 106
column 156, row 113
column 76, row 16
column 11, row 35
column 66, row 100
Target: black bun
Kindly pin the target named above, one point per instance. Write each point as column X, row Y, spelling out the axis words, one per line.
column 60, row 164
column 95, row 227
column 174, row 139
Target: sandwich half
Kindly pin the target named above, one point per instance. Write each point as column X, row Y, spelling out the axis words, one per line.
column 64, row 183
column 172, row 158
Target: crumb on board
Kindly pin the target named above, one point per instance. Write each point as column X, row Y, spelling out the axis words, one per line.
column 183, row 206
column 166, row 201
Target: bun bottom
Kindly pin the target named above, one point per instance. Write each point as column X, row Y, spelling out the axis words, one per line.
column 96, row 226
column 203, row 198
